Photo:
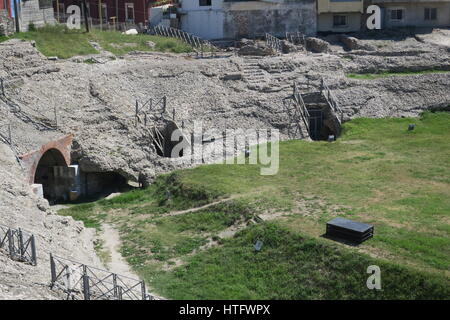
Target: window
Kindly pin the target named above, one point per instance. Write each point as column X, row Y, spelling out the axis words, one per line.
column 129, row 12
column 204, row 3
column 45, row 4
column 339, row 21
column 430, row 13
column 397, row 14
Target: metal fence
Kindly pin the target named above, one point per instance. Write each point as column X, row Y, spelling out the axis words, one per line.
column 301, row 110
column 150, row 108
column 274, row 42
column 332, row 101
column 18, row 244
column 106, row 24
column 194, row 41
column 82, row 282
column 296, row 38
column 153, row 109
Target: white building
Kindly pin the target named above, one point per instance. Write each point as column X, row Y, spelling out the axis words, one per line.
column 36, row 12
column 414, row 13
column 230, row 19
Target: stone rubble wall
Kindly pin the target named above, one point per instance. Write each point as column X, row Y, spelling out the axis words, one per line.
column 6, row 24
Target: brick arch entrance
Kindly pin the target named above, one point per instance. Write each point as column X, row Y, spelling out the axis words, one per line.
column 49, row 166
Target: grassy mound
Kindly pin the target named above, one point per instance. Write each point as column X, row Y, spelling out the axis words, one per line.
column 65, row 43
column 291, row 266
column 377, row 172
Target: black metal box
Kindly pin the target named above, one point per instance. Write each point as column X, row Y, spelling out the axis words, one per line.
column 349, row 230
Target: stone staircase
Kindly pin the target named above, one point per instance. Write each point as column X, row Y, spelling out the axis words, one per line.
column 295, row 126
column 252, row 73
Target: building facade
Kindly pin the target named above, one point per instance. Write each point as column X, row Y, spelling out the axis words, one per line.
column 231, row 19
column 339, row 15
column 5, row 7
column 107, row 11
column 415, row 13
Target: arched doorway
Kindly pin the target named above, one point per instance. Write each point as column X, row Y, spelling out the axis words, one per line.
column 54, row 175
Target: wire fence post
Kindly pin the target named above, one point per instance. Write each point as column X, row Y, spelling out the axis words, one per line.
column 115, row 287
column 21, row 251
column 52, row 271
column 9, row 234
column 2, row 85
column 86, row 291
column 144, row 294
column 33, row 250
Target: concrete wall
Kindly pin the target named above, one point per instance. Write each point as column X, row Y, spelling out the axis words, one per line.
column 204, row 24
column 30, row 13
column 339, row 6
column 325, row 22
column 413, row 14
column 156, row 15
column 248, row 18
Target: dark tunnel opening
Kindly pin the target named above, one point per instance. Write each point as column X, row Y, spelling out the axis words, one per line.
column 54, row 175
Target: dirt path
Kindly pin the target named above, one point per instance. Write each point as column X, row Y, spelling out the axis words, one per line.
column 111, row 243
column 117, row 264
column 176, row 213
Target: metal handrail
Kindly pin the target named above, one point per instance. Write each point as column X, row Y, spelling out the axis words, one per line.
column 304, row 111
column 190, row 39
column 18, row 244
column 91, row 283
column 332, row 101
column 273, row 42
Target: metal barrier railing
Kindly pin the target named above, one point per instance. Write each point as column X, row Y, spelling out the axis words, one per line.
column 298, row 113
column 18, row 244
column 274, row 42
column 194, row 41
column 332, row 101
column 296, row 38
column 82, row 282
column 151, row 106
column 302, row 110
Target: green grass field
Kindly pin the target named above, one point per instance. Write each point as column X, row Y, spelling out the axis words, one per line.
column 64, row 43
column 377, row 172
column 373, row 76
